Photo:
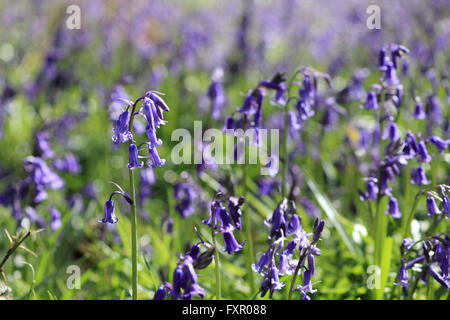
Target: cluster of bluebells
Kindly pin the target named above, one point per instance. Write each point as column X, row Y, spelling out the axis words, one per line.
column 185, row 280
column 25, row 196
column 225, row 217
column 152, row 110
column 397, row 152
column 280, row 259
column 185, row 196
column 432, row 202
column 253, row 104
column 432, row 259
column 434, row 254
column 216, row 95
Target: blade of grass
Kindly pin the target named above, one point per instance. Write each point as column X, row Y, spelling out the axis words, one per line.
column 332, row 214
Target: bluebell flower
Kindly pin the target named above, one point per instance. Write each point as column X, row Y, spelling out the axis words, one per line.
column 277, row 83
column 110, row 216
column 279, row 220
column 133, row 156
column 157, row 100
column 185, row 195
column 178, row 282
column 294, row 225
column 423, row 153
column 443, row 256
column 311, row 264
column 151, row 134
column 258, row 98
column 446, row 206
column 160, row 294
column 419, row 113
column 396, row 52
column 121, row 131
column 259, row 267
column 216, row 95
column 393, row 208
column 229, row 123
column 33, row 216
column 410, row 264
column 407, row 244
column 371, row 101
column 226, row 222
column 432, row 206
column 371, row 190
column 308, row 85
column 247, row 107
column 185, row 281
column 231, row 245
column 271, row 281
column 419, row 177
column 294, row 123
column 156, row 161
column 55, row 218
column 382, row 57
column 390, row 74
column 330, row 119
column 153, row 114
column 439, row 143
column 403, row 278
column 318, row 228
column 69, row 164
column 194, row 252
column 292, row 245
column 234, row 207
column 303, row 106
column 42, row 176
column 307, row 286
column 392, row 132
column 433, row 109
column 42, row 145
column 438, row 277
column 411, row 147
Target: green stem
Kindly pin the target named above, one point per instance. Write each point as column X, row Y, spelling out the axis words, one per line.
column 216, row 255
column 248, row 226
column 134, row 238
column 285, row 152
column 380, row 217
column 297, row 268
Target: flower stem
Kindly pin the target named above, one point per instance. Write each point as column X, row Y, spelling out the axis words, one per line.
column 380, row 216
column 297, row 268
column 134, row 238
column 285, row 153
column 216, row 255
column 248, row 226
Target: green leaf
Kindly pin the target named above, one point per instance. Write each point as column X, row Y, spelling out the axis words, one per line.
column 332, row 214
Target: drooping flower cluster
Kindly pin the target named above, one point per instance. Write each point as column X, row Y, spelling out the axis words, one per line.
column 433, row 258
column 216, row 95
column 253, row 104
column 286, row 227
column 185, row 280
column 185, row 195
column 225, row 217
column 27, row 195
column 152, row 110
column 434, row 252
